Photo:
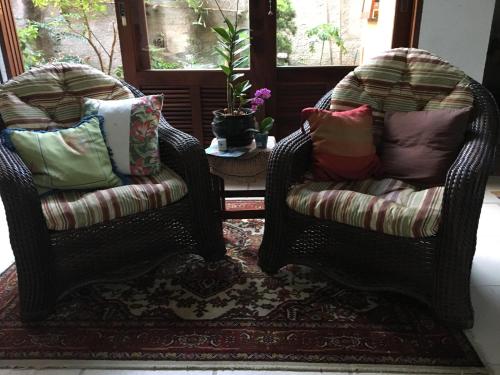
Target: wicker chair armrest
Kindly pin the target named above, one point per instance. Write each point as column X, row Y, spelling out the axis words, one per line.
column 17, row 187
column 176, row 147
column 464, row 193
column 289, row 161
column 13, row 172
column 466, row 178
column 184, row 154
column 29, row 236
column 180, row 151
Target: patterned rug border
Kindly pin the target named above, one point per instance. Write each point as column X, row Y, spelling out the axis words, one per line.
column 225, row 365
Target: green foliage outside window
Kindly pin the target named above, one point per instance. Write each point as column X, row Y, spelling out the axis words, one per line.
column 27, row 36
column 200, row 10
column 323, row 33
column 76, row 20
column 159, row 62
column 286, row 27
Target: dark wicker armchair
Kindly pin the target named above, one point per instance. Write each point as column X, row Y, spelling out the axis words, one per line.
column 435, row 270
column 51, row 263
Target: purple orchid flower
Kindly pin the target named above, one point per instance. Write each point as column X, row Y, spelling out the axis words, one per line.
column 256, row 102
column 263, row 93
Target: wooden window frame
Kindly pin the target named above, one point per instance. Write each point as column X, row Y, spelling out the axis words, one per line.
column 9, row 43
column 263, row 72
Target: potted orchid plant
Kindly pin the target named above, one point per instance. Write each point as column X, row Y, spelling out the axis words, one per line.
column 234, row 121
column 265, row 125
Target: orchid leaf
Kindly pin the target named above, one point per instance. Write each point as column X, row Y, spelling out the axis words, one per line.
column 242, row 87
column 242, row 49
column 236, row 76
column 241, row 61
column 230, row 25
column 266, row 125
column 223, row 33
column 223, row 54
column 239, row 41
column 242, row 31
column 227, row 71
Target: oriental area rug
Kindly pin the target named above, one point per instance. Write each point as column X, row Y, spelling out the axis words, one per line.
column 229, row 314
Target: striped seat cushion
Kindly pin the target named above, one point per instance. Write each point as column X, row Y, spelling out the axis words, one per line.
column 402, row 80
column 77, row 209
column 50, row 96
column 388, row 205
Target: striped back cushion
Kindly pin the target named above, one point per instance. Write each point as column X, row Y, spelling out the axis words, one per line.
column 389, row 206
column 77, row 209
column 50, row 96
column 402, row 80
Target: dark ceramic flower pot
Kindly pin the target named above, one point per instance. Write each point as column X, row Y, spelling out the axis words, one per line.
column 234, row 128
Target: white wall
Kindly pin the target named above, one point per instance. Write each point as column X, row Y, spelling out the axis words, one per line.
column 377, row 36
column 458, row 31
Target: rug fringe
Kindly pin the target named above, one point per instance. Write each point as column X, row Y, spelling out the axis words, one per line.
column 258, row 366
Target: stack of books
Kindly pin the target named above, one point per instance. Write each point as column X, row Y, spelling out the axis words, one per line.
column 231, row 152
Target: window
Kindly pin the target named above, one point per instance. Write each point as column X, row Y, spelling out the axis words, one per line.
column 332, row 32
column 3, row 70
column 299, row 49
column 68, row 31
column 180, row 32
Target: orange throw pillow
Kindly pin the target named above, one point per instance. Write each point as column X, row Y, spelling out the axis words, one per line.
column 343, row 146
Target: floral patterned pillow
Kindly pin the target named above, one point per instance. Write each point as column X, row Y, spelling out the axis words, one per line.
column 131, row 129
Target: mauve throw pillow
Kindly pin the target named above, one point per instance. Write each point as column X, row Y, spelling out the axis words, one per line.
column 419, row 147
column 342, row 144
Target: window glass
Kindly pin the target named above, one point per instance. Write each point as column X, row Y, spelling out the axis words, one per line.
column 3, row 70
column 180, row 32
column 332, row 32
column 83, row 31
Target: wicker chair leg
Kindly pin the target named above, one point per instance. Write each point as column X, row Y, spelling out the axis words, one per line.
column 36, row 315
column 452, row 303
column 210, row 237
column 268, row 261
column 37, row 301
column 215, row 247
column 454, row 313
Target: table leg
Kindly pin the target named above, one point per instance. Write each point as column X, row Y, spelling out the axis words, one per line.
column 236, row 214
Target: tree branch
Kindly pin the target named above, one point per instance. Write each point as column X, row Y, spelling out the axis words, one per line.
column 112, row 49
column 87, row 38
column 91, row 42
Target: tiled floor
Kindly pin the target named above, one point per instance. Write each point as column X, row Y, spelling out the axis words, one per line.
column 485, row 289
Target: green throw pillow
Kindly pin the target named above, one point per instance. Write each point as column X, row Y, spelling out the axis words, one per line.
column 66, row 159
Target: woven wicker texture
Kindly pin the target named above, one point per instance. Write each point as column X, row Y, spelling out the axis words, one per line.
column 248, row 168
column 435, row 270
column 51, row 263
